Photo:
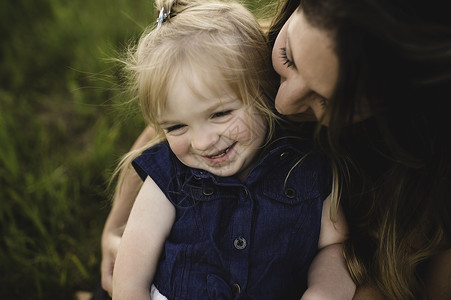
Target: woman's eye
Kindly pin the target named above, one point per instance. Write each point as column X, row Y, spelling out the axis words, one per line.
column 221, row 114
column 176, row 128
column 286, row 61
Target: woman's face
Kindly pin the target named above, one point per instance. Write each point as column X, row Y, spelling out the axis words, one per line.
column 305, row 59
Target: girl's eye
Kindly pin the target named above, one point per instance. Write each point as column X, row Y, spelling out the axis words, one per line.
column 286, row 60
column 221, row 114
column 175, row 129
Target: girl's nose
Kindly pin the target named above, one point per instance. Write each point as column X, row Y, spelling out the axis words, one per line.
column 204, row 138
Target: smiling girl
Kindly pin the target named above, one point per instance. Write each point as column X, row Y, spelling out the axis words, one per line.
column 228, row 209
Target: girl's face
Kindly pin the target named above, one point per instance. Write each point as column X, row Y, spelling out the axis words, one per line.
column 305, row 59
column 211, row 132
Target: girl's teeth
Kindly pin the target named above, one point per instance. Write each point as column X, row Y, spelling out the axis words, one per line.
column 221, row 154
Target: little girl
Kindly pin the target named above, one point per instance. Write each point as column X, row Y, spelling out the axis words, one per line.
column 228, row 208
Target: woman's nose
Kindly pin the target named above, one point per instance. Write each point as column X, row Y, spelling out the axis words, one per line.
column 282, row 79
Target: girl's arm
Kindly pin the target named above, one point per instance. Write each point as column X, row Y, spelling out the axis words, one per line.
column 328, row 276
column 117, row 218
column 148, row 226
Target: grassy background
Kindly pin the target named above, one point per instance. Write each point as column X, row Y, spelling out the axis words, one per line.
column 61, row 134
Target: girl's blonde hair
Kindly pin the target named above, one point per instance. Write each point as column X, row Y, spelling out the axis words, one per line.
column 210, row 39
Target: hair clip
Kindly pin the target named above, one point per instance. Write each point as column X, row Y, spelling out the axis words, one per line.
column 162, row 17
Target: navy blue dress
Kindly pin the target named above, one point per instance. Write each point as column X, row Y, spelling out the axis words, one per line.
column 240, row 240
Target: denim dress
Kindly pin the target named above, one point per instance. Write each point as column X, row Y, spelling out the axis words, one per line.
column 240, row 240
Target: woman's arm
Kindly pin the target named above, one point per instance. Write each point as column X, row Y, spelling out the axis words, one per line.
column 149, row 224
column 328, row 276
column 368, row 292
column 438, row 277
column 437, row 280
column 117, row 218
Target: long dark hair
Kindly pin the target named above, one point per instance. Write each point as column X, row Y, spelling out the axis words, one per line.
column 394, row 168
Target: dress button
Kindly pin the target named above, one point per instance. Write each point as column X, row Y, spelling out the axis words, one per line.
column 244, row 193
column 236, row 289
column 290, row 193
column 240, row 243
column 283, row 155
column 208, row 191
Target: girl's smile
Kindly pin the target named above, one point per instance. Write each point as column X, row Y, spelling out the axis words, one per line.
column 221, row 156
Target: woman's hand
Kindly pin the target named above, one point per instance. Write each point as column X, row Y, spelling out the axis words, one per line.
column 110, row 244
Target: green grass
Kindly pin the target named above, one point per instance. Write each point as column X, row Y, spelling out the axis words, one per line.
column 61, row 134
column 60, row 137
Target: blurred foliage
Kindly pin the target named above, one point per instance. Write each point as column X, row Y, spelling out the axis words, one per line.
column 61, row 134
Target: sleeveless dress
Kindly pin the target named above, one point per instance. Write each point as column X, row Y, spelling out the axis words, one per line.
column 232, row 239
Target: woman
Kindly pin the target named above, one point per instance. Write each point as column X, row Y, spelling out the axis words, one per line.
column 370, row 70
column 377, row 73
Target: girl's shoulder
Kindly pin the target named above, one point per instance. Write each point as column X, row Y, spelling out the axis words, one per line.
column 154, row 160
